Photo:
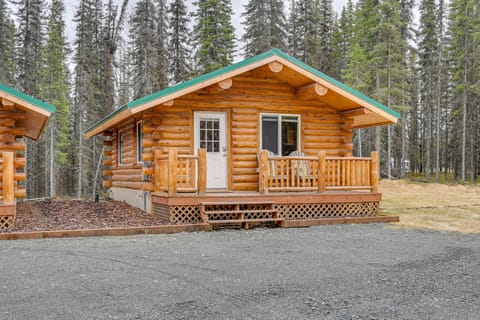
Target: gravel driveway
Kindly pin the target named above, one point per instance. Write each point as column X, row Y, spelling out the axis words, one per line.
column 325, row 272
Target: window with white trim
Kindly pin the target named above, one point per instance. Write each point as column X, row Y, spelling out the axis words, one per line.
column 120, row 147
column 280, row 133
column 139, row 142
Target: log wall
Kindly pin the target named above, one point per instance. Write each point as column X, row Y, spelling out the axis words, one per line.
column 11, row 140
column 165, row 126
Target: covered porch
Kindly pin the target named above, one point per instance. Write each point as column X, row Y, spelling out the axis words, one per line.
column 292, row 191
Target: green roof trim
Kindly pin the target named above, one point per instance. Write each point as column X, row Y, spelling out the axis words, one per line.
column 273, row 52
column 25, row 97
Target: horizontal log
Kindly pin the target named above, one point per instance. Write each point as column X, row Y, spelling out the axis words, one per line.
column 17, row 131
column 246, row 164
column 148, row 186
column 147, row 143
column 107, row 183
column 147, row 171
column 147, row 157
column 7, row 122
column 107, row 163
column 245, row 178
column 127, row 184
column 17, row 146
column 245, row 186
column 127, row 172
column 20, row 193
column 127, row 178
column 108, row 172
column 12, row 115
column 107, row 143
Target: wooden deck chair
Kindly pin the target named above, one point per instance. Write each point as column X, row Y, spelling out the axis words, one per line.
column 300, row 166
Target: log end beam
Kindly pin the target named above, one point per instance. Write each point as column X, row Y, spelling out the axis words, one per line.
column 311, row 91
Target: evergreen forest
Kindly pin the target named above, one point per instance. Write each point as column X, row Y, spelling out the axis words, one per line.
column 418, row 57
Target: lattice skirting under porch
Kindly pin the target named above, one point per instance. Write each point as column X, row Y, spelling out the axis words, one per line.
column 6, row 222
column 191, row 214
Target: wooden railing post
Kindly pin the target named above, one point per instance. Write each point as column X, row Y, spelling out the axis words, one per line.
column 172, row 171
column 202, row 171
column 262, row 175
column 374, row 174
column 157, row 173
column 8, row 177
column 322, row 174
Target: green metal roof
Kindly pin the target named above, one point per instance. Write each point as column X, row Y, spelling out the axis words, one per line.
column 31, row 100
column 273, row 52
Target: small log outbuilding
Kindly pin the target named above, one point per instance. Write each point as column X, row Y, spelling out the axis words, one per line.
column 266, row 139
column 20, row 116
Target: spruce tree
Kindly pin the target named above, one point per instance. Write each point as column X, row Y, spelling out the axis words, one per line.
column 464, row 28
column 342, row 39
column 87, row 92
column 389, row 59
column 54, row 89
column 162, row 45
column 178, row 47
column 7, row 45
column 214, row 37
column 428, row 48
column 265, row 26
column 325, row 32
column 144, row 52
column 27, row 72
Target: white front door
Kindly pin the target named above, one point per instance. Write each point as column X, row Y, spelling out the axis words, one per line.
column 210, row 134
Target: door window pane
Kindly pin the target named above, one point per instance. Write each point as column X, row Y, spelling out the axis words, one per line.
column 210, row 134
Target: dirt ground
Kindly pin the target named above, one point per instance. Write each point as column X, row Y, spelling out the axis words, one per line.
column 448, row 207
column 78, row 214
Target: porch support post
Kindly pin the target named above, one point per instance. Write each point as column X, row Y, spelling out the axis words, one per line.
column 322, row 174
column 202, row 171
column 8, row 177
column 263, row 167
column 172, row 171
column 374, row 171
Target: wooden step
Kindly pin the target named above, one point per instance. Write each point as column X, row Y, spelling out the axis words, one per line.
column 233, row 221
column 232, row 203
column 241, row 211
column 244, row 223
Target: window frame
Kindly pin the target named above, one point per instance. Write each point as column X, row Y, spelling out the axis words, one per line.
column 139, row 139
column 279, row 130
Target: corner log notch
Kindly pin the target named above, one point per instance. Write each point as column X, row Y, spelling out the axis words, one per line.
column 311, row 91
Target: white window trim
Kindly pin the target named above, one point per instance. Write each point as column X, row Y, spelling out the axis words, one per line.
column 139, row 141
column 120, row 147
column 280, row 115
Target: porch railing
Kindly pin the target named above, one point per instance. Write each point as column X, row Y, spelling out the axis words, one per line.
column 175, row 172
column 320, row 173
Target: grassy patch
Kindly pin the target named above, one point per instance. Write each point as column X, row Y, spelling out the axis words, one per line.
column 449, row 207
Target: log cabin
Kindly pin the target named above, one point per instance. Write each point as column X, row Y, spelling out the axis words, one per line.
column 267, row 139
column 20, row 116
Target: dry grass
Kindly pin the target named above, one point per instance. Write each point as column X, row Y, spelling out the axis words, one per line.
column 432, row 205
